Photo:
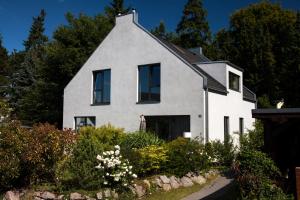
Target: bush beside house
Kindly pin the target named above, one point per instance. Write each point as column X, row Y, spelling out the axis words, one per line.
column 107, row 157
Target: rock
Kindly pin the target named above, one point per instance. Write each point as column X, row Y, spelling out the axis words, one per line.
column 99, row 195
column 10, row 195
column 37, row 198
column 37, row 194
column 89, row 198
column 60, row 197
column 198, row 179
column 186, row 182
column 107, row 193
column 164, row 179
column 114, row 194
column 174, row 183
column 158, row 182
column 190, row 174
column 147, row 183
column 207, row 175
column 76, row 196
column 47, row 195
column 166, row 187
column 140, row 191
column 132, row 190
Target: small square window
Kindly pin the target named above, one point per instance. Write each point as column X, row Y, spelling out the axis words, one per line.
column 84, row 121
column 234, row 82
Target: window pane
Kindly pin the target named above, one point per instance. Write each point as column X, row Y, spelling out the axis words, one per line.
column 98, row 81
column 155, row 76
column 143, row 83
column 234, row 81
column 90, row 121
column 106, row 86
column 97, row 96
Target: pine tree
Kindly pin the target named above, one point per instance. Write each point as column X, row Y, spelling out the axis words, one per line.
column 160, row 31
column 27, row 74
column 193, row 29
column 116, row 7
column 4, row 70
column 36, row 36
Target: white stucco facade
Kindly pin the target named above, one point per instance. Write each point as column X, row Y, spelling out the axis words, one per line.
column 182, row 89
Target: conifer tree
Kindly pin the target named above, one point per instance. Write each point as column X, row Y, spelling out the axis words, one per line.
column 4, row 70
column 193, row 29
column 116, row 7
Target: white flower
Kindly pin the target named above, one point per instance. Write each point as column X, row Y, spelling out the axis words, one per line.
column 105, row 182
column 125, row 184
column 107, row 174
column 99, row 157
column 117, row 178
column 117, row 152
column 117, row 147
column 111, row 152
column 98, row 166
column 134, row 175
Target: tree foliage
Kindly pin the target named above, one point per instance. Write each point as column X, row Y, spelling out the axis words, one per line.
column 262, row 39
column 193, row 29
column 116, row 7
column 4, row 70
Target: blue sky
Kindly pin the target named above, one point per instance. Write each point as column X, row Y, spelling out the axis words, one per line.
column 16, row 15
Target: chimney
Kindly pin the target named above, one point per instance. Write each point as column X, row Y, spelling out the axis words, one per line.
column 196, row 50
column 131, row 16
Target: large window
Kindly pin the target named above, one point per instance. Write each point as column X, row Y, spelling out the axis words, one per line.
column 84, row 121
column 101, row 90
column 149, row 83
column 234, row 82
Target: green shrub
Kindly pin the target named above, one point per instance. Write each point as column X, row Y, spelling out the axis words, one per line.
column 148, row 160
column 184, row 155
column 78, row 170
column 254, row 139
column 255, row 171
column 221, row 153
column 139, row 140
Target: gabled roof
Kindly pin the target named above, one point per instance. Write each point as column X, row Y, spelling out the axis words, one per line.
column 212, row 84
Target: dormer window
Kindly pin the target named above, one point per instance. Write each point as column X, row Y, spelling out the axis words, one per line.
column 234, row 82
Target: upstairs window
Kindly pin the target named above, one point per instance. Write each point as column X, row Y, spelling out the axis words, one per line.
column 84, row 121
column 101, row 88
column 149, row 83
column 234, row 82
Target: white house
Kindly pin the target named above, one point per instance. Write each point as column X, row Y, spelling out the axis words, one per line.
column 134, row 73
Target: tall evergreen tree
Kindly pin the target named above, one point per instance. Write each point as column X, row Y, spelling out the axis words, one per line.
column 4, row 70
column 36, row 36
column 27, row 74
column 160, row 31
column 193, row 29
column 116, row 7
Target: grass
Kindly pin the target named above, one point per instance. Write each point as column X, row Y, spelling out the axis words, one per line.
column 177, row 194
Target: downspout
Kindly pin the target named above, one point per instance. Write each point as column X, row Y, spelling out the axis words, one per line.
column 206, row 109
column 206, row 117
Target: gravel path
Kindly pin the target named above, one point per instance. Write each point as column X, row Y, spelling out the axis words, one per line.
column 215, row 190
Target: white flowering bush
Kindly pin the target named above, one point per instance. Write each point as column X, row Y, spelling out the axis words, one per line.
column 117, row 171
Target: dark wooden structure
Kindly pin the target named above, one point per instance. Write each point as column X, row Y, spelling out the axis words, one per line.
column 282, row 139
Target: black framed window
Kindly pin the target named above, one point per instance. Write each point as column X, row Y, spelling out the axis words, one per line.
column 226, row 128
column 241, row 125
column 149, row 83
column 101, row 87
column 234, row 82
column 84, row 121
